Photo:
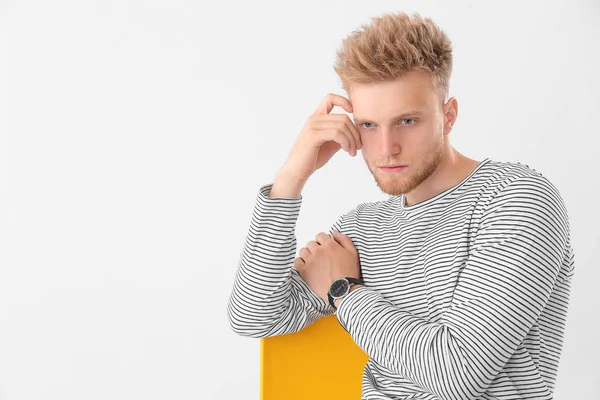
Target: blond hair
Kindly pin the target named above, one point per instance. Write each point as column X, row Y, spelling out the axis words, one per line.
column 391, row 46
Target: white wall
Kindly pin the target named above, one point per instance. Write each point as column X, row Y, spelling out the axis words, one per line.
column 134, row 137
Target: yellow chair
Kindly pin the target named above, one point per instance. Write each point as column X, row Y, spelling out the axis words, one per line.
column 319, row 362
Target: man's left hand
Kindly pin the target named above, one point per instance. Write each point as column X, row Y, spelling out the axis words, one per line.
column 324, row 260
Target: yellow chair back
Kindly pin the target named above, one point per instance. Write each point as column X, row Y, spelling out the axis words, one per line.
column 319, row 362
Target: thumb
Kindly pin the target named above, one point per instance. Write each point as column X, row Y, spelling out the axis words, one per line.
column 344, row 240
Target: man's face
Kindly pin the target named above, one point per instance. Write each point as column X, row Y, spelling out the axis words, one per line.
column 415, row 139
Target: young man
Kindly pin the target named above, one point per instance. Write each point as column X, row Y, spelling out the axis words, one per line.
column 457, row 286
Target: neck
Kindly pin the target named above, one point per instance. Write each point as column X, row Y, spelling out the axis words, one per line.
column 453, row 168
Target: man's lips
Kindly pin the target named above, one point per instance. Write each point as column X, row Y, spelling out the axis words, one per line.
column 393, row 168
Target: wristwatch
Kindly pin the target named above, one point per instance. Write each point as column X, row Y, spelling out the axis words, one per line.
column 340, row 288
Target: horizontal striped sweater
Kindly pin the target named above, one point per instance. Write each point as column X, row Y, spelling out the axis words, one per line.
column 466, row 293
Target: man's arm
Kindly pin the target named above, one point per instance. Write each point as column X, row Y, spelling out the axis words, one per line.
column 269, row 296
column 505, row 284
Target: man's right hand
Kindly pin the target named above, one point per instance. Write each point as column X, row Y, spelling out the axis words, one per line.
column 322, row 136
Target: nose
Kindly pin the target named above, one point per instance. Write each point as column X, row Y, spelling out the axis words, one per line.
column 387, row 143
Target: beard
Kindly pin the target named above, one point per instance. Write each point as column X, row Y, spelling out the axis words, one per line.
column 412, row 176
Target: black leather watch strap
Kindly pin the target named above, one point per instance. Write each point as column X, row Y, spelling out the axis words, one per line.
column 355, row 280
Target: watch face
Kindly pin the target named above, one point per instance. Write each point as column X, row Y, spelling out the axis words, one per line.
column 339, row 287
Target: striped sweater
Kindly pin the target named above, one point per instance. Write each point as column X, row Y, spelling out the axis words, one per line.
column 466, row 293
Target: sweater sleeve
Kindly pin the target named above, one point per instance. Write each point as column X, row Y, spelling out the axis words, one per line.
column 269, row 296
column 506, row 282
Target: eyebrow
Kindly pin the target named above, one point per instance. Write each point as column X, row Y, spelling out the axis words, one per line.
column 406, row 114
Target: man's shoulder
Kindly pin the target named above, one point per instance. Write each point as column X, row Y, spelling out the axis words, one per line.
column 498, row 171
column 519, row 186
column 504, row 176
column 514, row 173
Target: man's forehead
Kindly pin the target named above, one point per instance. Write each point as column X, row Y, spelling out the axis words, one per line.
column 392, row 105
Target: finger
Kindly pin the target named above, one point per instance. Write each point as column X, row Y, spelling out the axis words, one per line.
column 345, row 241
column 339, row 126
column 312, row 246
column 332, row 100
column 322, row 238
column 304, row 253
column 351, row 127
column 346, row 120
column 336, row 135
column 299, row 263
column 336, row 235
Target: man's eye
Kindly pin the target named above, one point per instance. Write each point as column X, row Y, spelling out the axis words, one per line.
column 404, row 119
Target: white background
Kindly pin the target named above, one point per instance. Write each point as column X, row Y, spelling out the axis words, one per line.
column 134, row 136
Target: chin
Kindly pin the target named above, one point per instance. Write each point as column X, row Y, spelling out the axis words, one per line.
column 397, row 185
column 392, row 186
